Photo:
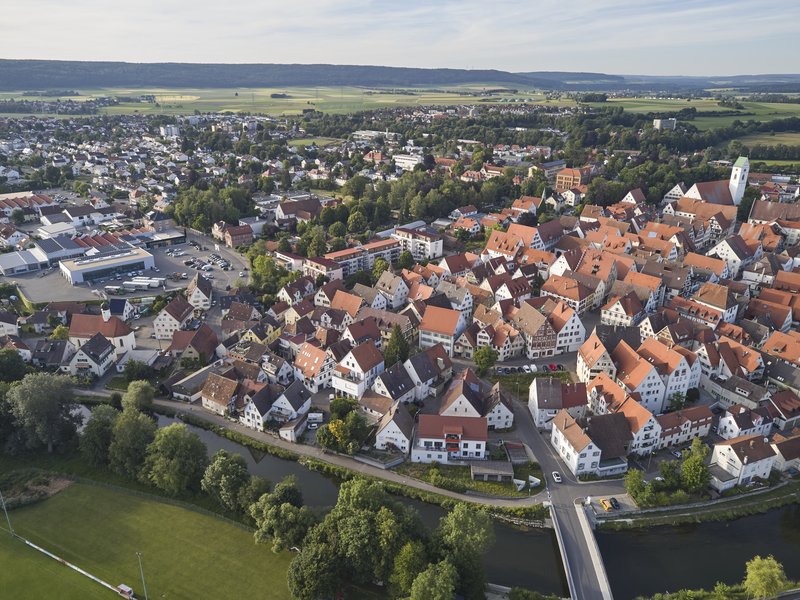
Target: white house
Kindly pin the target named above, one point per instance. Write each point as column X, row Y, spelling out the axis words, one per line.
column 95, row 357
column 635, row 374
column 448, row 440
column 740, row 461
column 429, row 371
column 682, row 426
column 395, row 383
column 356, row 372
column 643, row 424
column 272, row 403
column 548, row 397
column 574, row 446
column 739, row 420
column 395, row 430
column 313, row 366
column 199, row 292
column 393, row 288
column 175, row 316
column 441, row 326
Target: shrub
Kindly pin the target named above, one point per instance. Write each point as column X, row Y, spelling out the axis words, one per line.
column 680, row 497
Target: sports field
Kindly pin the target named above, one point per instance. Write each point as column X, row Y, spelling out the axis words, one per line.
column 343, row 99
column 184, row 554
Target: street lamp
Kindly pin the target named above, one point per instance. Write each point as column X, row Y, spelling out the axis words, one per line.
column 139, row 554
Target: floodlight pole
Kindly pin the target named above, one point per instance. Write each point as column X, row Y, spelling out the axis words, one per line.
column 3, row 502
column 139, row 554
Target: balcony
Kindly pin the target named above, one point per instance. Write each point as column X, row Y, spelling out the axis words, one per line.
column 347, row 376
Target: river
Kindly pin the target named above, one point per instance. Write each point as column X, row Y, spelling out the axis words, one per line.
column 525, row 558
column 694, row 556
column 638, row 563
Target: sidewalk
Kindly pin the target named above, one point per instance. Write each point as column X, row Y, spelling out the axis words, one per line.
column 339, row 460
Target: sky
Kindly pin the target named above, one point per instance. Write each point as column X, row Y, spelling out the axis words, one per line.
column 654, row 37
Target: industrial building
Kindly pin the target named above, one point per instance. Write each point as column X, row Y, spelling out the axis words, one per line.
column 109, row 261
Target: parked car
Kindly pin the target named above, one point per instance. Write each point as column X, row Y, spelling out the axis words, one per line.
column 561, row 368
column 526, row 368
column 676, row 454
column 553, row 368
column 546, row 369
column 614, row 503
column 606, row 505
column 534, row 369
column 556, row 476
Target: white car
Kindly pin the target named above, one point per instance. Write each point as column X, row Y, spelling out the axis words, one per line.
column 526, row 368
column 241, row 273
column 556, row 477
column 534, row 369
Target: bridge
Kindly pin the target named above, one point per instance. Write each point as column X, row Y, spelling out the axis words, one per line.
column 583, row 564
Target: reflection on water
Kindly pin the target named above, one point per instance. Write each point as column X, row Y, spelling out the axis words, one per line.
column 698, row 555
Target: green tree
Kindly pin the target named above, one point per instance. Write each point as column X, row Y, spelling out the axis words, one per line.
column 751, row 194
column 284, row 245
column 225, row 477
column 288, row 491
column 53, row 321
column 467, row 527
column 723, row 591
column 115, row 400
column 677, row 401
column 699, row 449
column 397, row 348
column 318, row 246
column 328, row 216
column 634, row 483
column 176, row 460
column 18, row 216
column 285, row 525
column 137, row 370
column 252, row 491
column 342, row 214
column 437, row 582
column 695, row 474
column 484, row 358
column 315, row 573
column 410, row 562
column 356, row 223
column 60, row 333
column 98, row 434
column 139, row 396
column 43, row 408
column 765, row 577
column 669, row 470
column 341, row 407
column 338, row 229
column 378, row 267
column 133, row 432
column 406, row 260
column 12, row 367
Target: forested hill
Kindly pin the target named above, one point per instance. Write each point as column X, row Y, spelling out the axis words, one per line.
column 49, row 74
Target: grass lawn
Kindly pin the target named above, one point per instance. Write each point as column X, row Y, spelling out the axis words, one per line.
column 317, row 141
column 765, row 139
column 184, row 554
column 463, row 474
column 520, row 383
column 119, row 383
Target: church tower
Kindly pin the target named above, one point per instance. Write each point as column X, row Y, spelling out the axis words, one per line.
column 738, row 181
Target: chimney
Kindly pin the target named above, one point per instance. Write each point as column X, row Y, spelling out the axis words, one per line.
column 565, row 422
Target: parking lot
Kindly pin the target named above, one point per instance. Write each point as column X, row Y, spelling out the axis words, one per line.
column 54, row 287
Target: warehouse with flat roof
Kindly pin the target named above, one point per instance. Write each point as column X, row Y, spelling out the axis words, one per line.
column 112, row 260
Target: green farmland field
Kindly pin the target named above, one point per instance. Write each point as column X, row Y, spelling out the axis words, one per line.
column 257, row 100
column 763, row 111
column 185, row 555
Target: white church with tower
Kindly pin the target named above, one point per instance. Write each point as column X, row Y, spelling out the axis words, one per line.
column 723, row 192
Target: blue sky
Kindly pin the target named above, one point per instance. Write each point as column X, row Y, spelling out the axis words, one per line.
column 702, row 37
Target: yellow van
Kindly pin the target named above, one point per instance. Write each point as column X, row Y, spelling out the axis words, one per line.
column 606, row 504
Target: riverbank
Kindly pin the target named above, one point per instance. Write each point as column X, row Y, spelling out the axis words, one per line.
column 527, row 509
column 728, row 510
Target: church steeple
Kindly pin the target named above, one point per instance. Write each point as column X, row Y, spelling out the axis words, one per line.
column 738, row 181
